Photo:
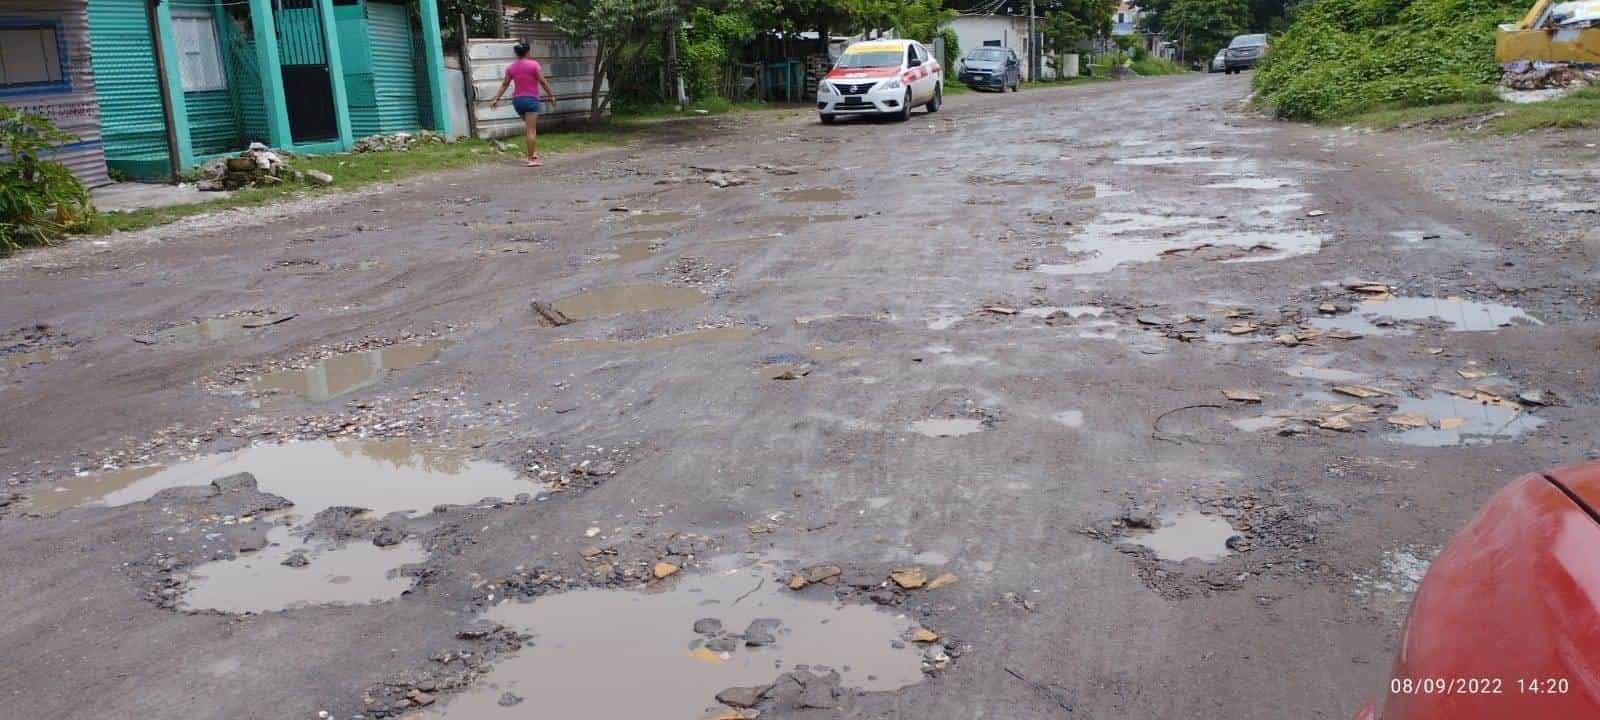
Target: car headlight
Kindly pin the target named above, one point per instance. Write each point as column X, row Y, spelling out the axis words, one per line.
column 829, row 89
column 891, row 84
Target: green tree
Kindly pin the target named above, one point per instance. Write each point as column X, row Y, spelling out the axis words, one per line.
column 1205, row 26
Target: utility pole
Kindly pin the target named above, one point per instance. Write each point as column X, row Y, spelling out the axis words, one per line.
column 1033, row 41
column 674, row 82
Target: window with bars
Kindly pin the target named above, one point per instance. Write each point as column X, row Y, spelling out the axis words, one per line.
column 199, row 55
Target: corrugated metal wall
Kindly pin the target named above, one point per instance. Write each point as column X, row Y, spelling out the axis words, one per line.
column 568, row 65
column 356, row 53
column 214, row 122
column 300, row 33
column 71, row 103
column 394, row 71
column 125, row 76
column 244, row 81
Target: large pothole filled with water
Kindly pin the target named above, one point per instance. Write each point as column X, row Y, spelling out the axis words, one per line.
column 381, row 477
column 339, row 375
column 670, row 653
column 1387, row 315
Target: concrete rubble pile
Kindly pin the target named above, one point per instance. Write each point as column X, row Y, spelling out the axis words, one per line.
column 256, row 167
column 397, row 141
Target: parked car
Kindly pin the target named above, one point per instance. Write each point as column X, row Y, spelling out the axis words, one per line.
column 1506, row 623
column 993, row 68
column 1244, row 52
column 1219, row 62
column 881, row 77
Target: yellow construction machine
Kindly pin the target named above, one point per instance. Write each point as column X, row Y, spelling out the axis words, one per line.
column 1553, row 32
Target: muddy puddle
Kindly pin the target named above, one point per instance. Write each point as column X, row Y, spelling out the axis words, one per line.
column 19, row 360
column 382, row 476
column 1378, row 317
column 947, row 427
column 661, row 342
column 1072, row 311
column 1441, row 419
column 832, row 353
column 1317, row 370
column 1260, row 183
column 622, row 299
column 343, row 374
column 217, row 328
column 626, row 654
column 815, row 195
column 1070, row 418
column 780, row 224
column 1173, row 160
column 1187, row 535
column 633, row 236
column 1101, row 250
column 651, row 219
column 626, row 253
column 1094, row 192
column 357, row 573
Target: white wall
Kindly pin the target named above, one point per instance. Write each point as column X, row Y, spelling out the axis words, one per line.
column 1012, row 32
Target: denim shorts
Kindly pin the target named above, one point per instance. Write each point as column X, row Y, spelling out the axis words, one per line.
column 525, row 105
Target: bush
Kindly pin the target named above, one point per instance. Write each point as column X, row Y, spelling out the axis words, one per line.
column 1342, row 57
column 1155, row 66
column 952, row 53
column 39, row 199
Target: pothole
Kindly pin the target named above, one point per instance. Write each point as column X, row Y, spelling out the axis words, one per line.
column 1070, row 418
column 1378, row 317
column 620, row 653
column 343, row 374
column 815, row 195
column 19, row 360
column 647, row 219
column 219, row 328
column 1310, row 371
column 948, row 427
column 1072, row 311
column 634, row 236
column 1442, row 419
column 1263, row 183
column 661, row 342
column 1187, row 535
column 627, row 253
column 623, row 299
column 1099, row 253
column 382, row 476
column 291, row 573
column 1173, row 160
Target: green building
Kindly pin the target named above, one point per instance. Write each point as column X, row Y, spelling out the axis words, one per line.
column 183, row 81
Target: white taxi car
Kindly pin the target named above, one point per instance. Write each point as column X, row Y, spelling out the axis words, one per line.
column 881, row 77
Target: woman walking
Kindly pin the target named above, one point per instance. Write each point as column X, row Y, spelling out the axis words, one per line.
column 529, row 79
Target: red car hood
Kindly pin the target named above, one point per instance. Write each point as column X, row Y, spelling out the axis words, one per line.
column 1514, row 599
column 862, row 73
column 1582, row 481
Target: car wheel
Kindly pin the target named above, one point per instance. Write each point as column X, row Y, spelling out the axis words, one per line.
column 938, row 98
column 827, row 119
column 905, row 107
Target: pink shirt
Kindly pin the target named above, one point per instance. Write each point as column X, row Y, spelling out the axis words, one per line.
column 524, row 74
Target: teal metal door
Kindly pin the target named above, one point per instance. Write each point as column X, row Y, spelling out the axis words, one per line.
column 394, row 83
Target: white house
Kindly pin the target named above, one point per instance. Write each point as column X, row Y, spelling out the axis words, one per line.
column 1007, row 31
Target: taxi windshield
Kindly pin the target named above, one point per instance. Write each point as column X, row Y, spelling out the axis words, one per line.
column 872, row 59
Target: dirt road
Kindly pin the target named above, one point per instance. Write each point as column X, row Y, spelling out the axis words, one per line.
column 1111, row 401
